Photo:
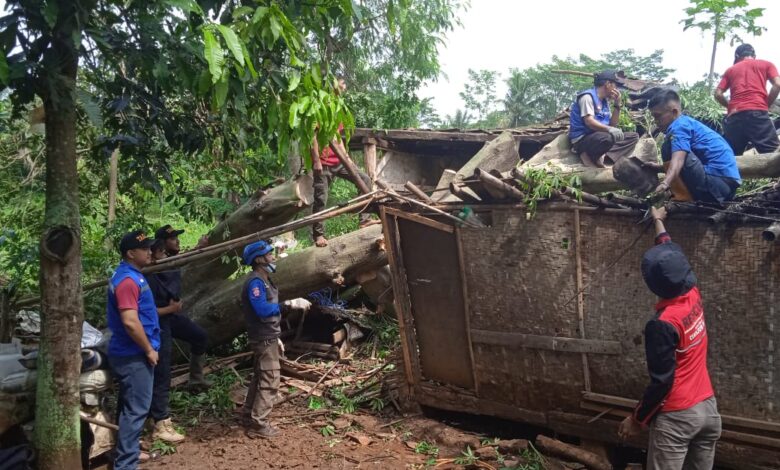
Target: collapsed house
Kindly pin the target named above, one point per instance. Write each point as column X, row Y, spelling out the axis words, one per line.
column 539, row 317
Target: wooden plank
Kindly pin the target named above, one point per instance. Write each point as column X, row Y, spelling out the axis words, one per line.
column 551, row 343
column 401, row 300
column 581, row 297
column 414, row 217
column 466, row 310
column 729, row 420
column 442, row 398
column 540, row 135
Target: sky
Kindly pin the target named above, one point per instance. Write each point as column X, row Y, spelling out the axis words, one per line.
column 502, row 34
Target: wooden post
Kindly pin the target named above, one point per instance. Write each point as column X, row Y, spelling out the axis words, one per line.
column 112, row 185
column 465, row 297
column 369, row 157
column 580, row 297
column 6, row 325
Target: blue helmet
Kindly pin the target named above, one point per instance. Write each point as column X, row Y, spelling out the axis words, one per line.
column 253, row 250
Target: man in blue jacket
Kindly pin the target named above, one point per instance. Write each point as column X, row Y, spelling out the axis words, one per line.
column 696, row 158
column 593, row 130
column 135, row 340
column 262, row 312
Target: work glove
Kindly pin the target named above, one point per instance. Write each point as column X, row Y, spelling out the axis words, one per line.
column 298, row 303
column 616, row 134
column 281, row 345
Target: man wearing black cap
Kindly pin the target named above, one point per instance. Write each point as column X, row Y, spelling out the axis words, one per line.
column 679, row 404
column 748, row 118
column 593, row 127
column 135, row 339
column 167, row 287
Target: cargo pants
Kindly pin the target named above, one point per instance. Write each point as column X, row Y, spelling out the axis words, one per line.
column 263, row 389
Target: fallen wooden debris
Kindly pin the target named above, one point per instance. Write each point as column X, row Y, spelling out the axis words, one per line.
column 570, row 452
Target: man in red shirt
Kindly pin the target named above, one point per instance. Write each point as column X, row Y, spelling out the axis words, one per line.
column 748, row 117
column 327, row 167
column 679, row 402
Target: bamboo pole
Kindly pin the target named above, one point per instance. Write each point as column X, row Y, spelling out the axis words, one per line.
column 499, row 185
column 415, row 202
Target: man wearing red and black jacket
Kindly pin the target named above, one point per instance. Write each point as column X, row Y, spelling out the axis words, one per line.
column 679, row 404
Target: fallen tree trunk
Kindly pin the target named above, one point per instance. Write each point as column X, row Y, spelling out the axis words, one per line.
column 499, row 154
column 266, row 208
column 300, row 274
column 557, row 154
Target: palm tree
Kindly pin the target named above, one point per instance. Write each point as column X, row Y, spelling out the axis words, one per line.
column 460, row 120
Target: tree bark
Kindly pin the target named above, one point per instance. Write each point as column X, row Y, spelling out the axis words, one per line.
column 711, row 75
column 112, row 185
column 57, row 439
column 298, row 275
column 263, row 210
column 598, row 180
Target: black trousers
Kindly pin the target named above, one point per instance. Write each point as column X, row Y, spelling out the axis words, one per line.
column 751, row 127
column 704, row 187
column 600, row 143
column 322, row 184
column 173, row 326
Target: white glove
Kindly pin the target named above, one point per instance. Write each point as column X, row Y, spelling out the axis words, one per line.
column 281, row 345
column 298, row 303
column 616, row 134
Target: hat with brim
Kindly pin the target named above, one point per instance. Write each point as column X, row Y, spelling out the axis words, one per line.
column 134, row 240
column 613, row 76
column 166, row 231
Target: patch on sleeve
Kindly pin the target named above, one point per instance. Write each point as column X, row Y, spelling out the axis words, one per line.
column 256, row 292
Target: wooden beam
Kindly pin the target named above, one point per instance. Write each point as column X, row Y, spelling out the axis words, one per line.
column 550, row 343
column 369, row 158
column 730, row 420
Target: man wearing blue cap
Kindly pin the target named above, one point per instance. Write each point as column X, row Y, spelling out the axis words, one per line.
column 593, row 130
column 262, row 312
column 135, row 340
column 679, row 403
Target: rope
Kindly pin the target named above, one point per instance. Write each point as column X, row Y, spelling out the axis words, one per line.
column 324, row 298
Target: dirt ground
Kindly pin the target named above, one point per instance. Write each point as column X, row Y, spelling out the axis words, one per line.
column 359, row 440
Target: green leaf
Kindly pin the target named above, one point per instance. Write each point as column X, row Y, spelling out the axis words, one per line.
column 214, row 55
column 242, row 11
column 259, row 14
column 204, row 82
column 276, row 28
column 294, row 120
column 4, row 72
column 233, row 43
column 295, row 79
column 248, row 61
column 188, row 6
column 50, row 12
column 91, row 107
column 220, row 92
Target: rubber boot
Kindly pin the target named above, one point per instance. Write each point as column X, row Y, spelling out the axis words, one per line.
column 197, row 379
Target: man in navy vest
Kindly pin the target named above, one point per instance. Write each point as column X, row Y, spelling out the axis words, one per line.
column 135, row 340
column 593, row 127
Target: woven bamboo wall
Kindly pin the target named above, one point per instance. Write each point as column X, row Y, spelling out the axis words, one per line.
column 521, row 273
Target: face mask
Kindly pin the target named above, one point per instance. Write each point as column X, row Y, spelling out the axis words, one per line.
column 270, row 267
